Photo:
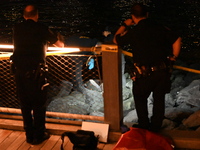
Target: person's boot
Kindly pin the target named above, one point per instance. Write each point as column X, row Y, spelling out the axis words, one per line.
column 39, row 140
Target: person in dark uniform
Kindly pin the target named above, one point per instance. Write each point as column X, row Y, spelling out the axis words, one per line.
column 108, row 36
column 153, row 47
column 30, row 44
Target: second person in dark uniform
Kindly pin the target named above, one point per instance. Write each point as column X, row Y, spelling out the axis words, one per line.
column 151, row 44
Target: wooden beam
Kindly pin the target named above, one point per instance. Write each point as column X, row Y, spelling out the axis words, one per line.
column 112, row 80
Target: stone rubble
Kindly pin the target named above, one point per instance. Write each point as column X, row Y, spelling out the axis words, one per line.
column 182, row 103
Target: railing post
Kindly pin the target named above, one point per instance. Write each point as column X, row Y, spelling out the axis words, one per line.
column 112, row 82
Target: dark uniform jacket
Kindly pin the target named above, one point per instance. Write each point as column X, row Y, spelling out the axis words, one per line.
column 150, row 42
column 30, row 43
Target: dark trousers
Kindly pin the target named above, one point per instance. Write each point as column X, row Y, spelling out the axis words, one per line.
column 32, row 99
column 158, row 83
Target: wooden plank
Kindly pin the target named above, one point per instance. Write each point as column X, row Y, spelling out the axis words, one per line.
column 9, row 139
column 183, row 138
column 24, row 146
column 16, row 122
column 58, row 144
column 51, row 142
column 109, row 146
column 39, row 146
column 11, row 124
column 4, row 134
column 62, row 127
column 18, row 142
column 114, row 136
column 100, row 146
column 1, row 130
column 68, row 145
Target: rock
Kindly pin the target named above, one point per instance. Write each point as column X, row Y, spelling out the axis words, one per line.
column 73, row 103
column 132, row 118
column 93, row 98
column 168, row 124
column 58, row 104
column 96, row 113
column 129, row 83
column 126, row 94
column 198, row 129
column 177, row 114
column 193, row 120
column 190, row 94
column 169, row 101
column 182, row 104
column 128, row 104
column 93, row 85
column 65, row 88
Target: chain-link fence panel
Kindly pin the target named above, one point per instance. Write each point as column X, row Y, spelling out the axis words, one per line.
column 7, row 86
column 68, row 75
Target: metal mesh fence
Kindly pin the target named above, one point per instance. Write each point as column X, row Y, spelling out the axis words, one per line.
column 71, row 68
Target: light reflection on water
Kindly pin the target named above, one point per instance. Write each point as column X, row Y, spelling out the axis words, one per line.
column 92, row 16
column 70, row 17
column 65, row 16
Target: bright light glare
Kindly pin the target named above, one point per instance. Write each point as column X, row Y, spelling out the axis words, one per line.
column 6, row 46
column 64, row 49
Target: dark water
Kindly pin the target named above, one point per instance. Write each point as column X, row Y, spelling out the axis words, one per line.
column 92, row 16
column 89, row 16
column 66, row 16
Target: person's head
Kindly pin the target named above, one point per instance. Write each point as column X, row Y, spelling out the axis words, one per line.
column 108, row 30
column 139, row 11
column 31, row 12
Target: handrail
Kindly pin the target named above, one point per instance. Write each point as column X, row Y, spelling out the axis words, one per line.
column 51, row 50
column 64, row 50
column 186, row 69
column 55, row 114
column 174, row 66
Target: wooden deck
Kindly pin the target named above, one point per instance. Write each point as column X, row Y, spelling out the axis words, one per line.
column 12, row 137
column 16, row 140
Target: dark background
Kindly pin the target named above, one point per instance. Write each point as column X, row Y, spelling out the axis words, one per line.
column 92, row 16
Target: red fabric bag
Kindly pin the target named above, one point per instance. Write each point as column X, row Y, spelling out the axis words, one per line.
column 141, row 139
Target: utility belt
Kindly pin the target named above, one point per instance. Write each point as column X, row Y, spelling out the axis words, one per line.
column 39, row 74
column 40, row 71
column 146, row 70
column 36, row 71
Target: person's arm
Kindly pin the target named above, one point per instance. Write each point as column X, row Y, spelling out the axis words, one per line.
column 176, row 46
column 122, row 29
column 60, row 41
column 58, row 44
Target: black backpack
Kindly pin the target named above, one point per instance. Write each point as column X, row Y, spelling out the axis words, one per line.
column 81, row 140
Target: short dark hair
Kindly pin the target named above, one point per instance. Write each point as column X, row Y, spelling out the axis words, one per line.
column 139, row 10
column 32, row 12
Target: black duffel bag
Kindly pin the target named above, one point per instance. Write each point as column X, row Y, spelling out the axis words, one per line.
column 81, row 140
